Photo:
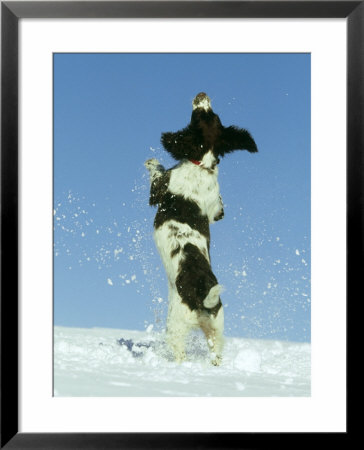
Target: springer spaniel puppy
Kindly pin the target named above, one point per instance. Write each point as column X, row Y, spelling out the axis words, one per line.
column 188, row 200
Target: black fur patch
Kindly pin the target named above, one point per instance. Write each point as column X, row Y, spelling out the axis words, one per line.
column 205, row 132
column 195, row 279
column 175, row 207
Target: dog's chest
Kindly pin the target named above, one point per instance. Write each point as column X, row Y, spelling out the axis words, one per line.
column 197, row 184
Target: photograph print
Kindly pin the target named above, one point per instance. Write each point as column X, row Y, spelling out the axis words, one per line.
column 181, row 213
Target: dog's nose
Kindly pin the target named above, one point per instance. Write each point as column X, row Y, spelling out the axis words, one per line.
column 200, row 96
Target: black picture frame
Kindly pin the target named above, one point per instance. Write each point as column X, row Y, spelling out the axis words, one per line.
column 11, row 12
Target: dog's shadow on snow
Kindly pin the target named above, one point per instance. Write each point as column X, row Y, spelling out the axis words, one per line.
column 196, row 348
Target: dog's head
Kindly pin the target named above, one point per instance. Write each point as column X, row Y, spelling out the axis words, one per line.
column 206, row 136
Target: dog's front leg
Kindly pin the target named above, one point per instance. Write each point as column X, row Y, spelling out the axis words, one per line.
column 158, row 181
column 155, row 168
column 220, row 214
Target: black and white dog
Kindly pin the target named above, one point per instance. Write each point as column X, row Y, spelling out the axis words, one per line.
column 188, row 200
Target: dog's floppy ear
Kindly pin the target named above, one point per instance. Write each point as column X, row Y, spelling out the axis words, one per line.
column 234, row 138
column 181, row 143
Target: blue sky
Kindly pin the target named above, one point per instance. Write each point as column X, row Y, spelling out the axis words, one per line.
column 109, row 113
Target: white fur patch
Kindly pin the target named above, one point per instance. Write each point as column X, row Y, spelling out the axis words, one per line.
column 204, row 103
column 198, row 184
column 209, row 162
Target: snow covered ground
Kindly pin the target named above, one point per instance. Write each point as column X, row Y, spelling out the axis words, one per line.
column 100, row 362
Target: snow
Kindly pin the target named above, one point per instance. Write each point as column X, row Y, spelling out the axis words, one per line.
column 92, row 362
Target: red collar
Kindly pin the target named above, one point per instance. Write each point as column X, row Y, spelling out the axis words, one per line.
column 194, row 161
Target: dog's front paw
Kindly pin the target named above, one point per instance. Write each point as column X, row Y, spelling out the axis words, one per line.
column 219, row 216
column 152, row 164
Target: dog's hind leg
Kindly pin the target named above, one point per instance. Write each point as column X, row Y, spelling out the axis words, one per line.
column 213, row 328
column 179, row 323
column 177, row 328
column 176, row 341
